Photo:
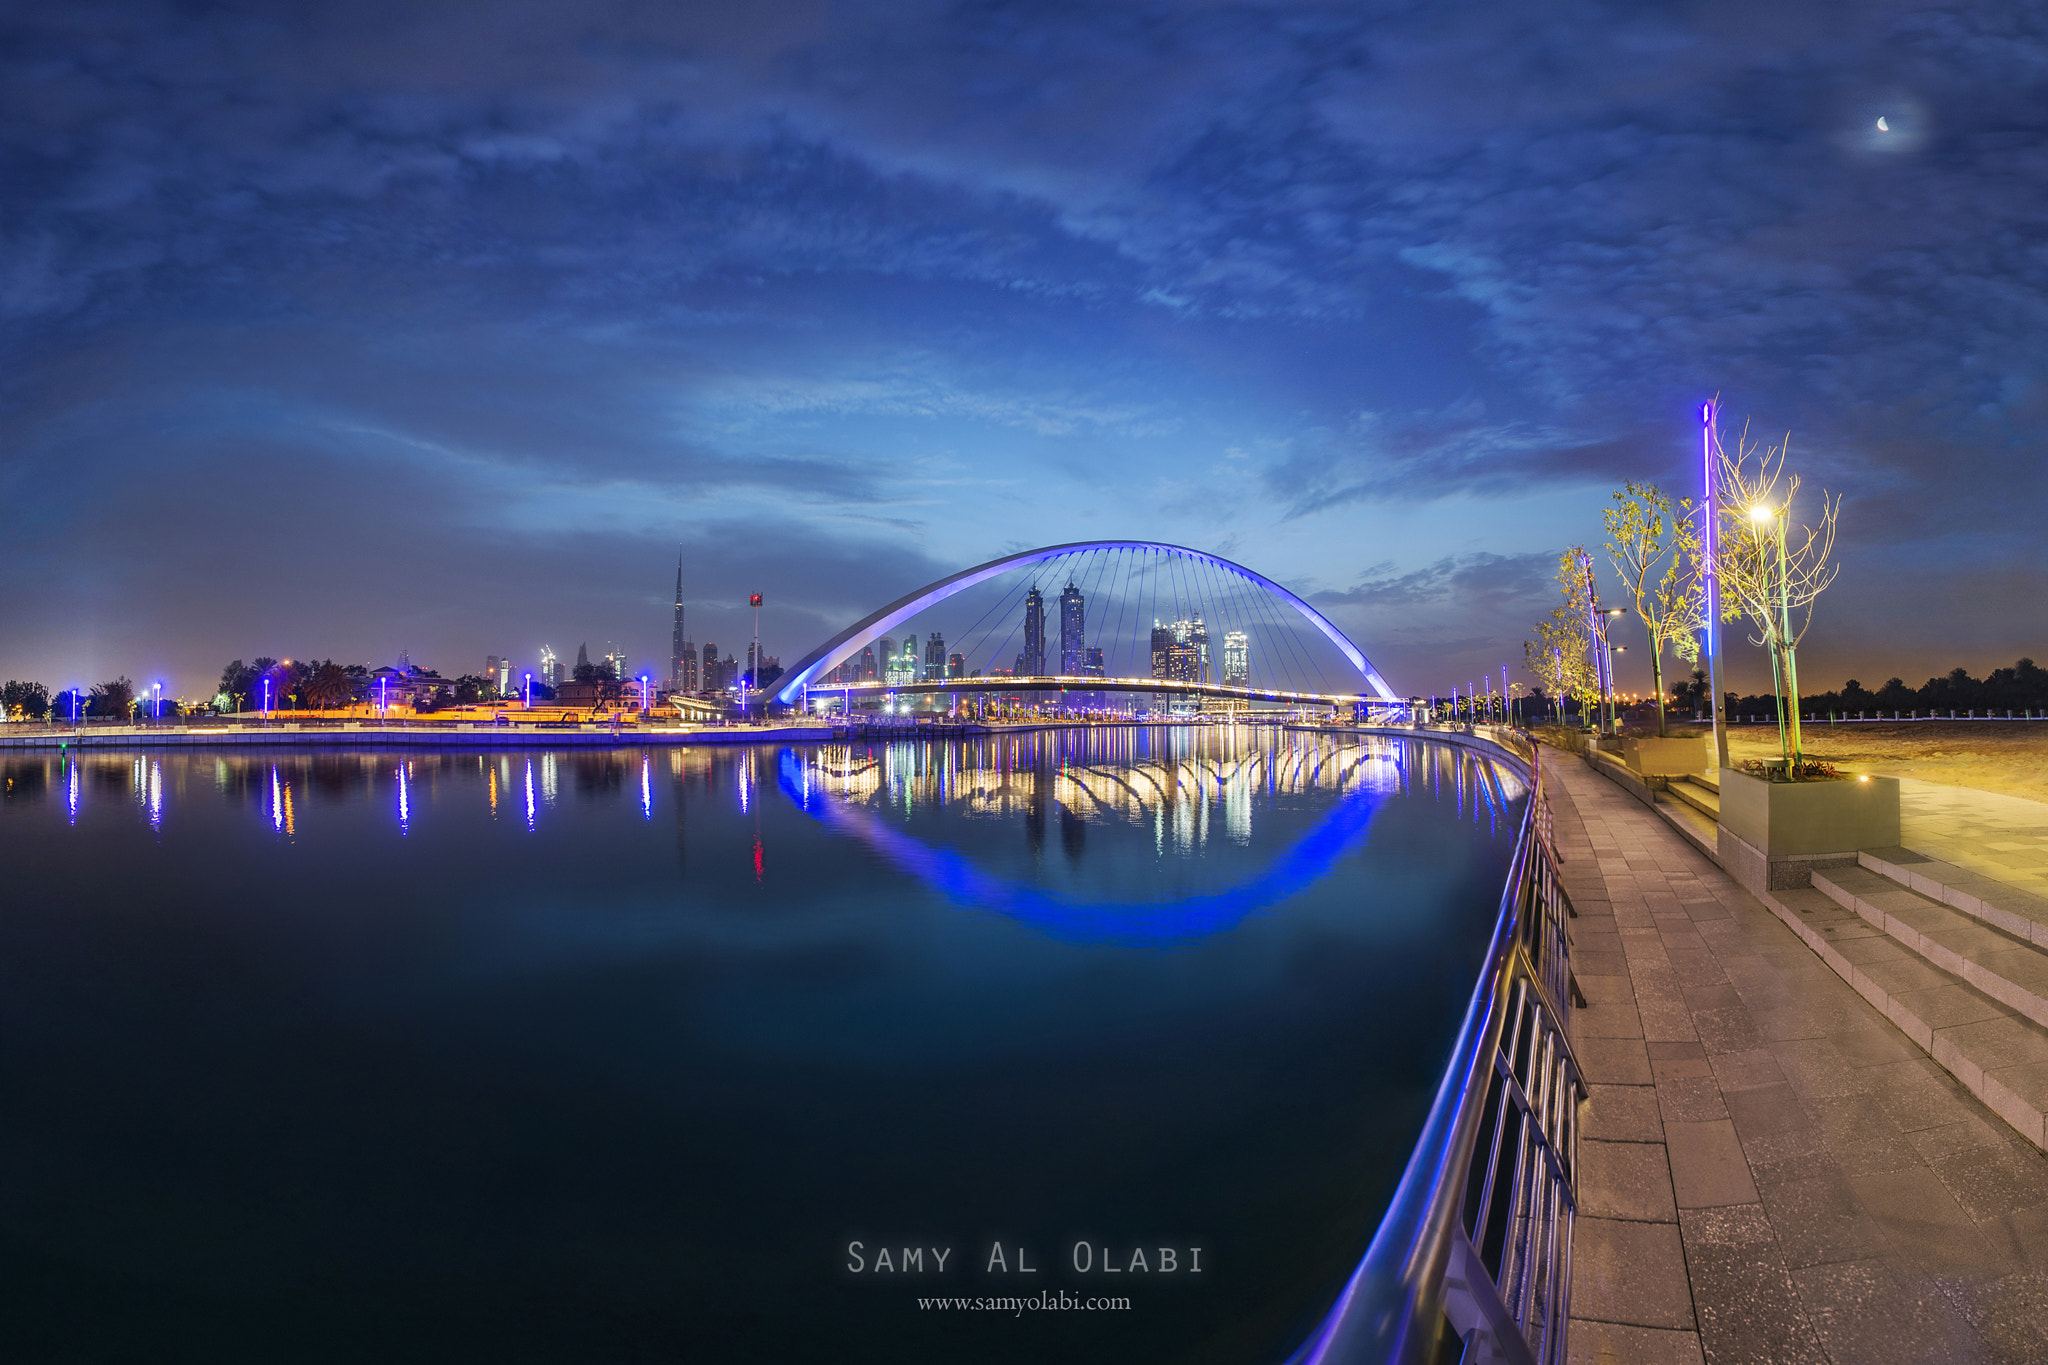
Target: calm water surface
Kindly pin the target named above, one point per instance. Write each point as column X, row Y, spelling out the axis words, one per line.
column 616, row 1056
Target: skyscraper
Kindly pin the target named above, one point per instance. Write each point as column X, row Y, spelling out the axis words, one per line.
column 956, row 665
column 1175, row 655
column 1237, row 659
column 934, row 657
column 550, row 667
column 1095, row 668
column 1033, row 662
column 707, row 677
column 864, row 671
column 682, row 660
column 1073, row 620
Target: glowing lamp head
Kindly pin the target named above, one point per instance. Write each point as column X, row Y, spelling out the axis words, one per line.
column 1761, row 514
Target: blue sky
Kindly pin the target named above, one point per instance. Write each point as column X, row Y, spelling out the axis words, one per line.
column 336, row 330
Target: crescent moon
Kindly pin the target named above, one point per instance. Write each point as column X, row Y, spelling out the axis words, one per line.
column 1882, row 126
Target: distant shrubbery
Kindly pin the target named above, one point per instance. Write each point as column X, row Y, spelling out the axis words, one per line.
column 2023, row 687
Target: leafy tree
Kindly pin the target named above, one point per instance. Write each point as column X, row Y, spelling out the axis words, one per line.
column 69, row 703
column 237, row 682
column 1767, row 573
column 114, row 698
column 1655, row 548
column 1561, row 654
column 24, row 700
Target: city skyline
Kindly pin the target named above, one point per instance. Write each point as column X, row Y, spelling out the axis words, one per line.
column 1386, row 313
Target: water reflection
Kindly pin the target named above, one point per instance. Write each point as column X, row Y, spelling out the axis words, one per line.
column 1184, row 788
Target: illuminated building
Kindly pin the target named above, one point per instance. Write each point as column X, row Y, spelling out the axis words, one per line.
column 1073, row 620
column 956, row 665
column 1237, row 659
column 904, row 668
column 934, row 657
column 1032, row 662
column 550, row 667
column 1094, row 668
column 682, row 655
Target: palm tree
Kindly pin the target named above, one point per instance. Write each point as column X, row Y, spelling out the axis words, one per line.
column 329, row 687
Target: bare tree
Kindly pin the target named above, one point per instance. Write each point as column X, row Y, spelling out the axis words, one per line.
column 1771, row 575
column 1561, row 654
column 1655, row 548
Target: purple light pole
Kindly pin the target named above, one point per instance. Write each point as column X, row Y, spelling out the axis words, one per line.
column 266, row 698
column 529, row 691
column 158, row 705
column 643, row 693
column 1708, row 413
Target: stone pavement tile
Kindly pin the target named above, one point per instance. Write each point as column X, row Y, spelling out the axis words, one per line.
column 1873, row 1043
column 1861, row 1135
column 1707, row 1165
column 1973, row 1130
column 2009, row 1316
column 1714, row 996
column 1689, row 1099
column 1621, row 1113
column 1814, row 1067
column 1949, row 1004
column 1625, row 1180
column 1992, row 1182
column 1766, row 1109
column 1863, row 1313
column 2021, row 1237
column 1612, row 1061
column 1615, row 1018
column 1924, row 1226
column 1632, row 1273
column 1743, row 1070
column 1608, row 1343
column 1798, row 1154
column 1819, row 1219
column 1727, row 1030
column 1589, row 962
column 1913, row 1099
column 1748, row 1308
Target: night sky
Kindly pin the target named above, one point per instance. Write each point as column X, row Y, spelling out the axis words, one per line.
column 346, row 329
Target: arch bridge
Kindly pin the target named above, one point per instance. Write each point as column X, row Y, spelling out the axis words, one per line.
column 1114, row 585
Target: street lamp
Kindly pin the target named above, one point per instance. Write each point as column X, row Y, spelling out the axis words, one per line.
column 643, row 693
column 1607, row 618
column 158, row 705
column 266, row 698
column 529, row 691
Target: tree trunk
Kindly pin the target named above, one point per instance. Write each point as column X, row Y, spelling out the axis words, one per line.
column 1657, row 685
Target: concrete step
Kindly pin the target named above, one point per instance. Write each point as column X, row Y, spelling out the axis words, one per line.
column 1711, row 780
column 2019, row 913
column 1999, row 1054
column 1702, row 798
column 2012, row 971
column 1699, row 830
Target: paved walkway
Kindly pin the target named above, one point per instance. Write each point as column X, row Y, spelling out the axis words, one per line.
column 1770, row 1171
column 2005, row 837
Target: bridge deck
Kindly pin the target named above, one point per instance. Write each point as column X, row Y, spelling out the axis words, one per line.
column 1770, row 1170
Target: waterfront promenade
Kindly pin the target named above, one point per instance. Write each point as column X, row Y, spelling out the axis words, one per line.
column 1770, row 1169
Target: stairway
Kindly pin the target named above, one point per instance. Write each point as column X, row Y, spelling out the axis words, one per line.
column 1957, row 961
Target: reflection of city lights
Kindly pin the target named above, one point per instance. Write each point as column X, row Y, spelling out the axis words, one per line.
column 276, row 801
column 71, row 789
column 156, row 795
column 646, row 787
column 529, row 796
column 404, row 800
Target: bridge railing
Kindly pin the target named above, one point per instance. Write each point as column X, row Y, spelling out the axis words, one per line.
column 1472, row 1260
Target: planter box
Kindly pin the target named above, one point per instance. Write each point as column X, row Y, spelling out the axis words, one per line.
column 1676, row 756
column 1772, row 834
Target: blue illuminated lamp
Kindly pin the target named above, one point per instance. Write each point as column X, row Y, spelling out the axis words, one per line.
column 529, row 691
column 844, row 645
column 643, row 691
column 266, row 696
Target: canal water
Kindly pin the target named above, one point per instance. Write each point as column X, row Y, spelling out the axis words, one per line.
column 724, row 1055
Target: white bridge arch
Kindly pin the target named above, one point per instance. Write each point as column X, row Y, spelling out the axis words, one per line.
column 848, row 642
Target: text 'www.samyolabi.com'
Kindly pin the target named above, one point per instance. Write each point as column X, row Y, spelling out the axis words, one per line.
column 1052, row 1301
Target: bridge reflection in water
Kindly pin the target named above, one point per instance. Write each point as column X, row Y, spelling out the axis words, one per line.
column 1187, row 786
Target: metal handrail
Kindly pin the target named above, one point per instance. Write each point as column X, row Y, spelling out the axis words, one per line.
column 1475, row 1248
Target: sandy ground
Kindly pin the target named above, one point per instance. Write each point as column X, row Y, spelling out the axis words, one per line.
column 1999, row 756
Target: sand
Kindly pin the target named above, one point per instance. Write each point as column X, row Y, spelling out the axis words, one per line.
column 2000, row 756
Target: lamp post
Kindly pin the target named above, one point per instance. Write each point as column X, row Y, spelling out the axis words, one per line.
column 1605, row 619
column 754, row 673
column 1711, row 636
column 528, row 702
column 643, row 694
column 157, row 706
column 266, row 699
column 1612, row 650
